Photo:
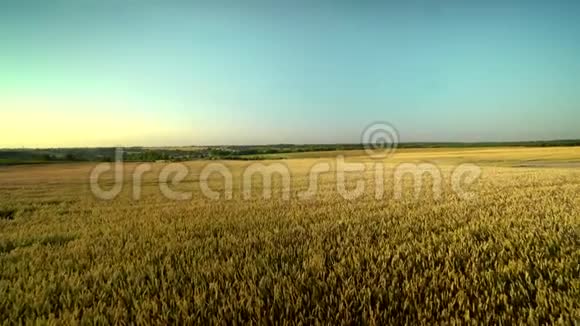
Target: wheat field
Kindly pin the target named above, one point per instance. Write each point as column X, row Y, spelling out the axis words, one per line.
column 510, row 254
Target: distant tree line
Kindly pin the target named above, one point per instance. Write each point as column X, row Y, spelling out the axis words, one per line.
column 248, row 152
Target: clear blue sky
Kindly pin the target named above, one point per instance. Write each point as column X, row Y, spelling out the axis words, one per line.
column 128, row 72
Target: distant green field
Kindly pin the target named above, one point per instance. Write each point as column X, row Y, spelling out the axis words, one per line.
column 230, row 152
column 8, row 161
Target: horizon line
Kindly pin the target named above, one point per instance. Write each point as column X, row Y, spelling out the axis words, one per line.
column 308, row 144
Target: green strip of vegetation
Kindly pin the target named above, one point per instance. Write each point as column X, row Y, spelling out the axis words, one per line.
column 250, row 152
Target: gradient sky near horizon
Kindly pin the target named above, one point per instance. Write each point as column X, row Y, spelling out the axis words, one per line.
column 152, row 73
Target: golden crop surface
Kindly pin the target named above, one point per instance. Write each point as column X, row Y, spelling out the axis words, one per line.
column 510, row 254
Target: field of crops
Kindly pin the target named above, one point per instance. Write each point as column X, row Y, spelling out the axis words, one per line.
column 509, row 254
